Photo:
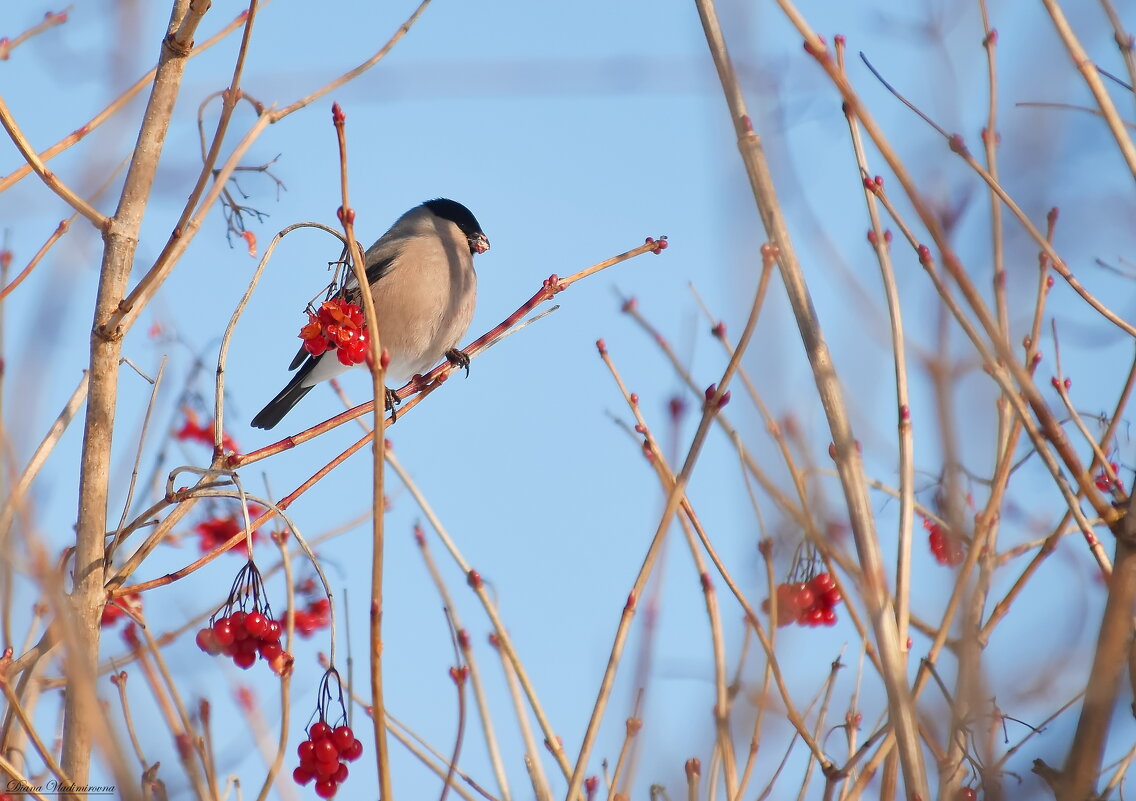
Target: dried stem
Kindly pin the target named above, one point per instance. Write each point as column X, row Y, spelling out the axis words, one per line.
column 675, row 497
column 117, row 105
column 378, row 447
column 63, row 227
column 50, row 179
column 503, row 641
column 1091, row 75
column 880, row 242
column 849, row 462
column 470, row 660
column 50, row 20
column 357, row 71
column 121, row 242
column 30, row 730
column 19, row 490
column 1082, row 764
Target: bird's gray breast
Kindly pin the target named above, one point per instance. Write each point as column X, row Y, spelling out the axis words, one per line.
column 425, row 300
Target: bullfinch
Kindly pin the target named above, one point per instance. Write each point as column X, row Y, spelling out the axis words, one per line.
column 421, row 277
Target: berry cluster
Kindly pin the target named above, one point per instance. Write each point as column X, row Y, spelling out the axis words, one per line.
column 323, row 757
column 337, row 325
column 216, row 531
column 194, row 431
column 316, row 616
column 946, row 549
column 809, row 603
column 324, row 754
column 242, row 633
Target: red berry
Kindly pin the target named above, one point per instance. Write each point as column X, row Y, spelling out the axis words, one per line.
column 256, row 624
column 947, row 550
column 325, row 788
column 270, row 650
column 1104, row 481
column 804, row 596
column 814, row 616
column 787, row 610
column 341, row 773
column 318, row 731
column 325, row 750
column 303, row 624
column 326, row 769
column 273, row 630
column 207, row 642
column 822, row 582
column 302, row 776
column 828, row 616
column 315, row 346
column 223, row 632
column 342, row 738
column 244, row 660
column 354, row 752
column 237, row 619
column 305, row 751
column 830, row 597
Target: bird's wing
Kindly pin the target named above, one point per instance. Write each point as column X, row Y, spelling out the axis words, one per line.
column 279, row 406
column 296, row 362
column 380, row 266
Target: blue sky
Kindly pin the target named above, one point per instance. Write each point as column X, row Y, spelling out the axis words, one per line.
column 573, row 132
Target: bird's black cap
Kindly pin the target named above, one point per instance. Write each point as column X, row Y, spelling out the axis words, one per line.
column 456, row 213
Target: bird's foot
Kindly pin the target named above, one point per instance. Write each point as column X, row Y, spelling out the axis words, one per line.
column 459, row 359
column 391, row 401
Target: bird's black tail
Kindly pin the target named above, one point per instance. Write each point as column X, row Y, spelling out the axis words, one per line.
column 279, row 406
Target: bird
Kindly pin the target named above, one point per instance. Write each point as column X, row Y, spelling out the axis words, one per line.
column 421, row 277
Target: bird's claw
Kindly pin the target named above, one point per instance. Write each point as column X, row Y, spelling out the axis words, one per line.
column 458, row 359
column 391, row 401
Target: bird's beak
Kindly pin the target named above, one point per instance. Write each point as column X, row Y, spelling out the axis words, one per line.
column 478, row 243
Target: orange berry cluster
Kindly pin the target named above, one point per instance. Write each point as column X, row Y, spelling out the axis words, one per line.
column 337, row 325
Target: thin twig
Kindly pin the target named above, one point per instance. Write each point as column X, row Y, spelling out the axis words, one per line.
column 488, row 729
column 50, row 20
column 50, row 179
column 115, row 106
